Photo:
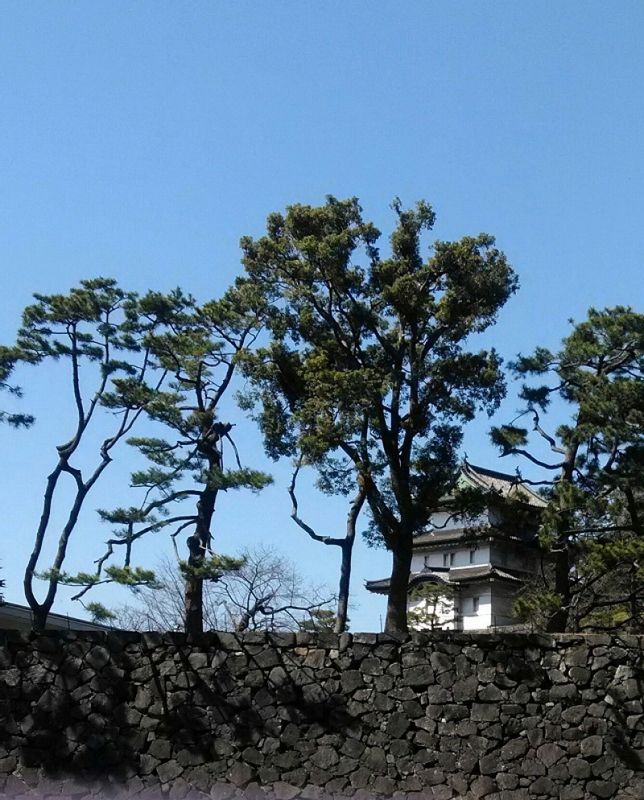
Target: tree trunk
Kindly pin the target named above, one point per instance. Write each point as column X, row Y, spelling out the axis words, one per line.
column 198, row 546
column 346, row 547
column 558, row 622
column 194, row 588
column 396, row 621
column 39, row 617
column 343, row 592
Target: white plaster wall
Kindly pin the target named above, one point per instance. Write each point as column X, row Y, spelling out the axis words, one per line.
column 461, row 557
column 418, row 562
column 481, row 556
column 482, row 619
column 495, row 608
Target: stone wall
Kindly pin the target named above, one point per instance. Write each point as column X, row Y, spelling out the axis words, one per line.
column 433, row 716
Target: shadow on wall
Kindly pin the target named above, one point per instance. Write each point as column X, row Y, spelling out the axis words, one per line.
column 253, row 715
column 88, row 706
column 623, row 694
column 68, row 705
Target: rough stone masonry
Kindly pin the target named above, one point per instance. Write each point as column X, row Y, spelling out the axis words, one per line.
column 430, row 716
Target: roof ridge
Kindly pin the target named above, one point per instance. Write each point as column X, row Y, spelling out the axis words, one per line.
column 494, row 473
column 517, row 483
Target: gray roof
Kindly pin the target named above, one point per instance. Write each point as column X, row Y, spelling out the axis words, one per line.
column 427, row 539
column 439, row 536
column 469, row 574
column 14, row 616
column 501, row 483
column 435, row 575
column 458, row 575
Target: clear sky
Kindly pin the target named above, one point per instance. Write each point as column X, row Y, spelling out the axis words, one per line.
column 141, row 140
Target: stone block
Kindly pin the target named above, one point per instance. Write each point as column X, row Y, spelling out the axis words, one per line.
column 489, row 764
column 325, row 758
column 397, row 725
column 592, row 746
column 549, row 754
column 466, row 689
column 371, row 666
column 440, row 662
column 574, row 714
column 515, row 748
column 507, row 780
column 360, row 778
column 240, row 774
column 384, row 785
column 575, row 792
column 542, row 785
column 437, row 695
column 488, row 694
column 168, row 771
column 440, row 793
column 483, row 786
column 419, row 676
column 603, row 789
column 285, row 791
column 484, row 712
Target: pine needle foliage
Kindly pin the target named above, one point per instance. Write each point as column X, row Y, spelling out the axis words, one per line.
column 368, row 360
column 198, row 348
column 593, row 473
column 96, row 336
column 9, row 357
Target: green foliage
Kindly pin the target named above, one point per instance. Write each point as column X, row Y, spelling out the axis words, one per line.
column 64, row 578
column 367, row 363
column 243, row 478
column 536, row 605
column 99, row 613
column 592, row 528
column 124, row 516
column 160, row 354
column 8, row 358
column 103, row 335
column 212, row 568
column 321, row 620
column 432, row 598
column 132, row 576
column 78, row 324
column 198, row 349
column 508, row 437
column 381, row 343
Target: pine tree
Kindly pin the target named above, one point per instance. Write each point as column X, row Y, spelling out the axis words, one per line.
column 199, row 349
column 592, row 530
column 95, row 329
column 371, row 361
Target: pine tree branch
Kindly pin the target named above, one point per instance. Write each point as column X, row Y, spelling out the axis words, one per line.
column 299, row 521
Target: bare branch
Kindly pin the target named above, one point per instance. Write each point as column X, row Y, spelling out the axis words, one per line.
column 299, row 521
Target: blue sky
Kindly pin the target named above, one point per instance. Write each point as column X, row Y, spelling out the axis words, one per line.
column 140, row 141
